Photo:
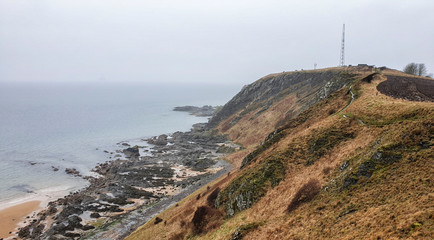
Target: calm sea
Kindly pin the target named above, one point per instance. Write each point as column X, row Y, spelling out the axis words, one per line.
column 70, row 125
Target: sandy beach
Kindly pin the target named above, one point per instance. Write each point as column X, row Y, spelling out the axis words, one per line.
column 12, row 216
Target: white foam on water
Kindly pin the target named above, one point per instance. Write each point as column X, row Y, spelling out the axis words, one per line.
column 45, row 196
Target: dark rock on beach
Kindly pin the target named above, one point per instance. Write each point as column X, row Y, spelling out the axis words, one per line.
column 95, row 215
column 160, row 140
column 132, row 152
column 132, row 185
column 73, row 172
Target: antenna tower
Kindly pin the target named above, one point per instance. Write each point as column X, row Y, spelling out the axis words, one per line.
column 342, row 61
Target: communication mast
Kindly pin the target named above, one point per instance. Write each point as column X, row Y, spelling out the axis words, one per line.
column 342, row 61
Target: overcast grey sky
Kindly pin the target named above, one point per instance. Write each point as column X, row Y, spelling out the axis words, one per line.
column 205, row 40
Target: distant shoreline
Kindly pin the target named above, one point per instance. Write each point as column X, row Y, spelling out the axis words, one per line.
column 70, row 126
column 174, row 167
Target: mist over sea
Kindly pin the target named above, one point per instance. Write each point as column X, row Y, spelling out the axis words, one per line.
column 70, row 125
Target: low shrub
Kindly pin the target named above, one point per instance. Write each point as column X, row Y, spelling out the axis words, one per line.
column 332, row 111
column 205, row 218
column 158, row 220
column 198, row 218
column 327, row 170
column 305, row 194
column 212, row 197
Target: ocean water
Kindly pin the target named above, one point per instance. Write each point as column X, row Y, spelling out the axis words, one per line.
column 70, row 125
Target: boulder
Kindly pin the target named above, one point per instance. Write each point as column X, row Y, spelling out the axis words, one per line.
column 73, row 171
column 95, row 215
column 132, row 152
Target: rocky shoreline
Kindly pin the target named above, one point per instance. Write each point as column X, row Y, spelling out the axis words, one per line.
column 131, row 190
column 204, row 111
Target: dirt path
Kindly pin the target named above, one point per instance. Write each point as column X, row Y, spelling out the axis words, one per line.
column 351, row 101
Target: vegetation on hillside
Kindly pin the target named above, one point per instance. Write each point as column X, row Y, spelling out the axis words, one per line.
column 332, row 172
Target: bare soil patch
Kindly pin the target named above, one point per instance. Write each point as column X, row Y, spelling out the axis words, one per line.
column 409, row 88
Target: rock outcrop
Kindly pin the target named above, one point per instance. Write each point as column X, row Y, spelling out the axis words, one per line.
column 205, row 111
column 310, row 87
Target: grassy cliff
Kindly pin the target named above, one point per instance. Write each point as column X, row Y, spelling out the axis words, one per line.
column 353, row 163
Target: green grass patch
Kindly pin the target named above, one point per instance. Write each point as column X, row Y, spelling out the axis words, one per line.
column 381, row 121
column 322, row 142
column 244, row 229
column 269, row 141
column 251, row 185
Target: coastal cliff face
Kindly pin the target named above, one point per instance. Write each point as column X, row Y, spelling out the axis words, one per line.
column 263, row 92
column 328, row 154
column 267, row 103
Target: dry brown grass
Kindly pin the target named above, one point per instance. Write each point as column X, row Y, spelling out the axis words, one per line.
column 308, row 222
column 305, row 194
column 210, row 200
column 205, row 219
column 391, row 206
column 252, row 130
column 396, row 202
column 236, row 158
column 298, row 174
column 378, row 109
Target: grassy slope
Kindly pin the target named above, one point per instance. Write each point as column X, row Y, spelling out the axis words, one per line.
column 256, row 124
column 392, row 197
